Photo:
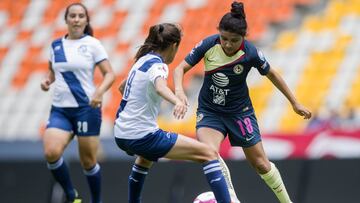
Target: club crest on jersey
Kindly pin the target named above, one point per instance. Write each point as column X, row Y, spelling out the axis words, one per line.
column 238, row 69
column 199, row 117
column 83, row 50
column 220, row 79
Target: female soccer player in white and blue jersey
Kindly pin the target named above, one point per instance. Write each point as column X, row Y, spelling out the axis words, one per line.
column 224, row 104
column 76, row 105
column 136, row 130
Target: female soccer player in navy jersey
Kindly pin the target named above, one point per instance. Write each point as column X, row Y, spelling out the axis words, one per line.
column 224, row 104
column 76, row 105
column 136, row 130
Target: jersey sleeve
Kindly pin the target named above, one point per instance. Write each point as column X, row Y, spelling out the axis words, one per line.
column 158, row 70
column 260, row 63
column 99, row 53
column 198, row 52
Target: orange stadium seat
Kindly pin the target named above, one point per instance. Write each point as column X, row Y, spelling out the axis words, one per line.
column 3, row 51
column 50, row 15
column 122, row 47
column 118, row 18
column 5, row 5
column 24, row 35
column 59, row 33
column 28, row 65
column 16, row 11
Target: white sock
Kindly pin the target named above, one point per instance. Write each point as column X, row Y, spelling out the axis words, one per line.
column 226, row 173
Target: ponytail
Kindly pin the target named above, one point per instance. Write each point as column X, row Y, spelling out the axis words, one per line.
column 235, row 20
column 160, row 37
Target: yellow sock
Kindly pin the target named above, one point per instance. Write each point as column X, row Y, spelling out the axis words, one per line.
column 274, row 181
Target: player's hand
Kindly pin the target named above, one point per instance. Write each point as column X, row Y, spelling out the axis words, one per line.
column 96, row 100
column 45, row 84
column 181, row 95
column 180, row 110
column 302, row 111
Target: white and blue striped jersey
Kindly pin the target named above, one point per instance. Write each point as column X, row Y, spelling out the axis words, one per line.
column 73, row 62
column 139, row 108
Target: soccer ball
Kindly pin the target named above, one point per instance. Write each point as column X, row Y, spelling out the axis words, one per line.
column 205, row 197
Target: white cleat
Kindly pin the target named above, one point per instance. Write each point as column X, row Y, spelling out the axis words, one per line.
column 233, row 196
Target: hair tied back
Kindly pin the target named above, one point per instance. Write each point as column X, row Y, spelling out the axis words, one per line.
column 237, row 10
column 161, row 28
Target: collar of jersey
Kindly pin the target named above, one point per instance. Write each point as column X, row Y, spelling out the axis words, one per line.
column 158, row 55
column 82, row 36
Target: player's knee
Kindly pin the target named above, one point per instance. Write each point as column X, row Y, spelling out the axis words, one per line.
column 209, row 154
column 88, row 161
column 143, row 162
column 52, row 153
column 261, row 166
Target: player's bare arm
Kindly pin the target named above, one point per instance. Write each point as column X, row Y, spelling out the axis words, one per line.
column 277, row 80
column 109, row 77
column 163, row 90
column 179, row 72
column 49, row 79
column 122, row 86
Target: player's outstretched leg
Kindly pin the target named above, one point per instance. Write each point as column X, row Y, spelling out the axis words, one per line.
column 187, row 148
column 274, row 181
column 137, row 178
column 60, row 172
column 216, row 180
column 267, row 170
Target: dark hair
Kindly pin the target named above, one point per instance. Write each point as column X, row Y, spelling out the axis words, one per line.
column 160, row 37
column 235, row 20
column 88, row 29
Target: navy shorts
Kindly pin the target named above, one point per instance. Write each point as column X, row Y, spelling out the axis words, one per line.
column 82, row 121
column 242, row 129
column 152, row 147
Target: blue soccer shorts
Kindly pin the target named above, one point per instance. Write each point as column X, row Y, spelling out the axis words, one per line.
column 242, row 129
column 82, row 121
column 151, row 147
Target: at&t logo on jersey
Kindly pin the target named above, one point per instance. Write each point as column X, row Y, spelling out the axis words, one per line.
column 219, row 94
column 220, row 79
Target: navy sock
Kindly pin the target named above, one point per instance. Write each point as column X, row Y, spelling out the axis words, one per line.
column 216, row 180
column 61, row 174
column 136, row 182
column 93, row 177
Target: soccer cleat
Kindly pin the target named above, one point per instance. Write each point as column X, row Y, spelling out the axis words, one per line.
column 77, row 198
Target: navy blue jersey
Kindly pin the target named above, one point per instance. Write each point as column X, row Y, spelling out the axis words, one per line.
column 224, row 89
